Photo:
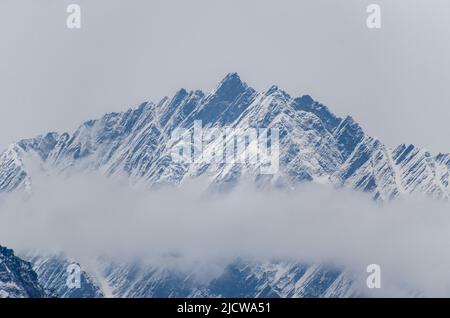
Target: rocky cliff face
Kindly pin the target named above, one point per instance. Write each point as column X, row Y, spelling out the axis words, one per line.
column 17, row 277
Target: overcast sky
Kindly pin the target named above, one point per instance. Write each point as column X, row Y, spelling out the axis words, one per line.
column 394, row 81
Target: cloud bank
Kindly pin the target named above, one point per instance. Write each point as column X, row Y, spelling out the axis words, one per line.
column 89, row 215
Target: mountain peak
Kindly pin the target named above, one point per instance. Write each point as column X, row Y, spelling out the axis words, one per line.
column 308, row 104
column 274, row 90
column 233, row 76
column 305, row 100
column 230, row 87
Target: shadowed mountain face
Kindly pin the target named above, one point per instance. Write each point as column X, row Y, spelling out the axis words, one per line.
column 315, row 146
column 17, row 278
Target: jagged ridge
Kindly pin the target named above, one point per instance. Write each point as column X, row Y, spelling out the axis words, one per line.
column 316, row 145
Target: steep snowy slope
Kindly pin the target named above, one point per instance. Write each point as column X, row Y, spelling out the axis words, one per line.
column 17, row 278
column 238, row 279
column 52, row 275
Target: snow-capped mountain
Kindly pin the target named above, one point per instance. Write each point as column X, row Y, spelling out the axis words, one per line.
column 52, row 276
column 315, row 146
column 17, row 278
column 241, row 278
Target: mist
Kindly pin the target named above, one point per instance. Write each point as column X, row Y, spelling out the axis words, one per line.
column 88, row 216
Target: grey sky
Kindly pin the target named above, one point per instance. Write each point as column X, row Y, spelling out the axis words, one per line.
column 393, row 80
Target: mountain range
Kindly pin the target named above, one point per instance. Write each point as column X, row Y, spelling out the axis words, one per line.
column 315, row 146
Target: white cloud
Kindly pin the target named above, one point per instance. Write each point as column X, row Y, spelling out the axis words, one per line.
column 88, row 216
